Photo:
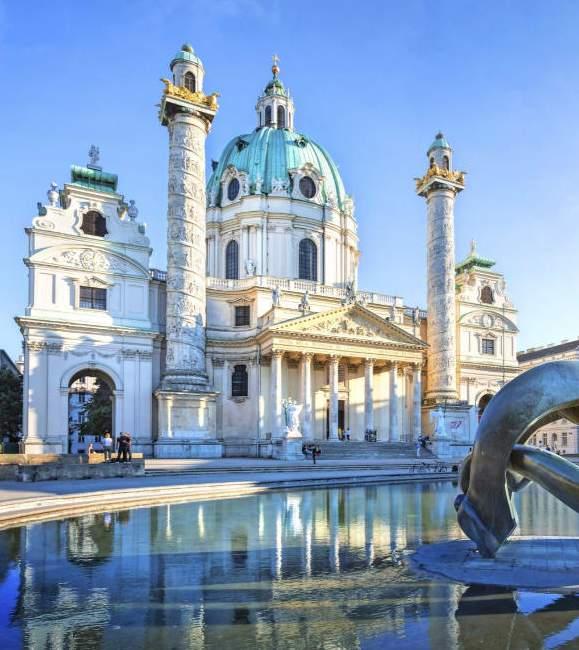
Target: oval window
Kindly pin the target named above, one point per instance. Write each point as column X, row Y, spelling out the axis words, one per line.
column 233, row 189
column 307, row 187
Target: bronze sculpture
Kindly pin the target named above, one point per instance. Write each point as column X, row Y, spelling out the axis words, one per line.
column 501, row 463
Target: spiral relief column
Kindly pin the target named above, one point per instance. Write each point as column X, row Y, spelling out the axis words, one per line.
column 186, row 401
column 439, row 186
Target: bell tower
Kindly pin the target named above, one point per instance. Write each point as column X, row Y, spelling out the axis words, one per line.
column 186, row 401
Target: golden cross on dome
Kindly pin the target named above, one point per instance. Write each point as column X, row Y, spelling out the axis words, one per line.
column 275, row 67
column 275, row 59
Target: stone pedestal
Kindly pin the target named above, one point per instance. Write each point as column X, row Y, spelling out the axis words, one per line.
column 448, row 442
column 187, row 425
column 288, row 449
column 48, row 446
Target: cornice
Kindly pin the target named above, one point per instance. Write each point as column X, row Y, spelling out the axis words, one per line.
column 27, row 322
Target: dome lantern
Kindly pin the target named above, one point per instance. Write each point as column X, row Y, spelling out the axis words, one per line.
column 275, row 108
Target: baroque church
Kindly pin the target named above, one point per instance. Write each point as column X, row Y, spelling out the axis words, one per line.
column 259, row 306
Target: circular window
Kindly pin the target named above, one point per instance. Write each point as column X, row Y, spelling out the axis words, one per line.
column 307, row 187
column 233, row 189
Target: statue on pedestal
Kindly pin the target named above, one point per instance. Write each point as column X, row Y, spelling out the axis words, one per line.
column 292, row 418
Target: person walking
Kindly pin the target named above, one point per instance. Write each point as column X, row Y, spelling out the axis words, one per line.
column 107, row 443
column 418, row 446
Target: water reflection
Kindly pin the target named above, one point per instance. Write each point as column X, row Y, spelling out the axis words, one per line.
column 296, row 569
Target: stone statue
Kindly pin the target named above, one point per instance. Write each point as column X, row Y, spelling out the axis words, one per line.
column 249, row 267
column 276, row 296
column 416, row 316
column 304, row 305
column 493, row 471
column 132, row 210
column 292, row 421
column 258, row 184
column 437, row 417
column 94, row 155
column 53, row 195
column 350, row 295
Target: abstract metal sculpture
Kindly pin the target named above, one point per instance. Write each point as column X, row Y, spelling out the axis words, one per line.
column 501, row 463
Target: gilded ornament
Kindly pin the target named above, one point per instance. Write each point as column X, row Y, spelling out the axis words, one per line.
column 181, row 92
column 440, row 172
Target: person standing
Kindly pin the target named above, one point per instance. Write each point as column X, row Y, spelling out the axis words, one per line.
column 122, row 448
column 129, row 443
column 107, row 446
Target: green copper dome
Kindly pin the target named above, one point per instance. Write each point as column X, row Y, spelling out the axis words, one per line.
column 269, row 154
column 275, row 87
column 186, row 53
column 440, row 142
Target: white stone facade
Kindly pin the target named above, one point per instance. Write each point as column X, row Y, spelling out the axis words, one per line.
column 200, row 362
column 561, row 436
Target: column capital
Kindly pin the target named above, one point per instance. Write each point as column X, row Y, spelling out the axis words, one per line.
column 307, row 355
column 277, row 353
column 335, row 358
column 369, row 361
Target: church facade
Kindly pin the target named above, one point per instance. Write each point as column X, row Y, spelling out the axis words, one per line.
column 259, row 303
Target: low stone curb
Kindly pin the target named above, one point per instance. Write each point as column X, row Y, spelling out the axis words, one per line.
column 24, row 511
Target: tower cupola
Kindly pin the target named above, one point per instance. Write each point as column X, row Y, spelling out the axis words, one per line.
column 187, row 69
column 440, row 152
column 275, row 108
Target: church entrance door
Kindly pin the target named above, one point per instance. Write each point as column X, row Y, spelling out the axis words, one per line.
column 341, row 418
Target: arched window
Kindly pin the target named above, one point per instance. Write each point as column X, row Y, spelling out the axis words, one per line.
column 189, row 81
column 432, row 161
column 487, row 296
column 307, row 187
column 280, row 117
column 232, row 260
column 483, row 403
column 268, row 116
column 93, row 223
column 233, row 189
column 446, row 162
column 239, row 381
column 308, row 260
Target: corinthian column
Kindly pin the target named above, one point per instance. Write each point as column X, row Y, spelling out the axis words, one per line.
column 369, row 394
column 334, row 364
column 307, row 395
column 276, row 391
column 394, row 405
column 416, row 401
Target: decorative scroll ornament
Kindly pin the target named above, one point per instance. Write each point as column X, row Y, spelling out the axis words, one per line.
column 90, row 260
column 440, row 172
column 181, row 92
column 486, row 510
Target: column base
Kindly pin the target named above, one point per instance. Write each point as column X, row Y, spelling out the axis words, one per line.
column 50, row 446
column 187, row 425
column 446, row 424
column 287, row 449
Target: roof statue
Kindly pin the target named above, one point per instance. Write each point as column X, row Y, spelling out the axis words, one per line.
column 94, row 155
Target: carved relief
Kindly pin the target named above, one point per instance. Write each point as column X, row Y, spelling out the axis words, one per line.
column 91, row 260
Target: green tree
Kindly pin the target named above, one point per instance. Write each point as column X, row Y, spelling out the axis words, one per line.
column 10, row 404
column 99, row 411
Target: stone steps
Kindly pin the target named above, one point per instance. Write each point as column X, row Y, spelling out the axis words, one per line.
column 342, row 450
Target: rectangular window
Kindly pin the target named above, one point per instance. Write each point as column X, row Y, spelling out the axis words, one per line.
column 564, row 438
column 93, row 298
column 488, row 346
column 242, row 316
column 239, row 381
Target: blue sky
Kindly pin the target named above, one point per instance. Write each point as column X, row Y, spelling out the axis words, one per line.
column 372, row 82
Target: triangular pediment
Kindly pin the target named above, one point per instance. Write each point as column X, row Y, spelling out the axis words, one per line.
column 353, row 322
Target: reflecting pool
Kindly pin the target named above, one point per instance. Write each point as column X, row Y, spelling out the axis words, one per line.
column 284, row 570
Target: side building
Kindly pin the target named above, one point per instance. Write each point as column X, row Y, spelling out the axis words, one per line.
column 562, row 435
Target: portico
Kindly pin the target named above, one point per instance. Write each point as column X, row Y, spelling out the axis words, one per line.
column 350, row 370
